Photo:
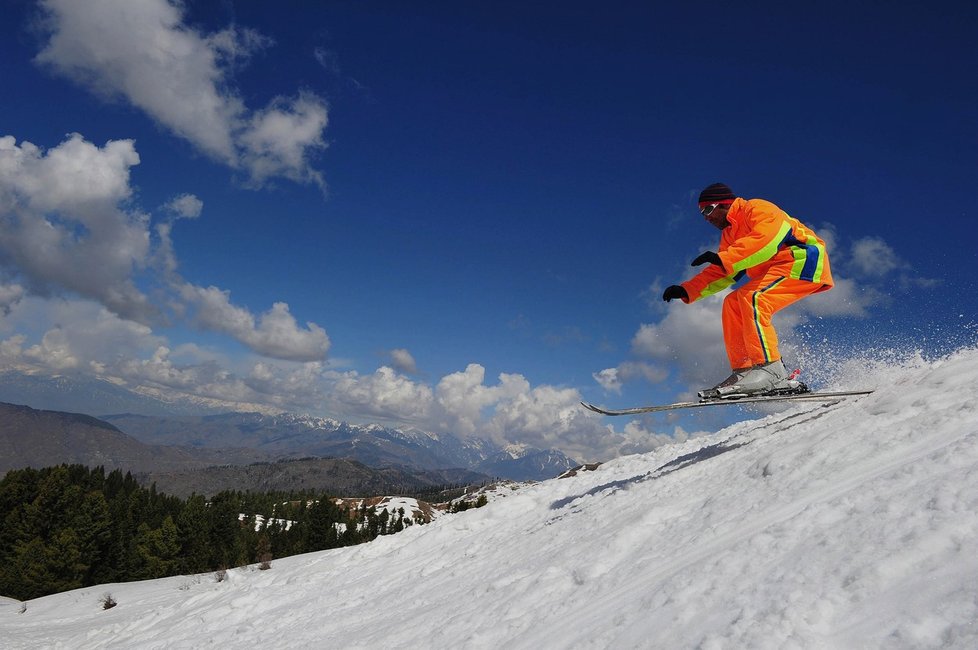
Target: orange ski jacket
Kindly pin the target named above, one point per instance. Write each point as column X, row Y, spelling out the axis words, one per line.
column 762, row 238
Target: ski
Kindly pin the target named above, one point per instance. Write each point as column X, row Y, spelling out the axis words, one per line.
column 729, row 401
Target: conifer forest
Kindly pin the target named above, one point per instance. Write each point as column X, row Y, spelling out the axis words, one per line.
column 72, row 526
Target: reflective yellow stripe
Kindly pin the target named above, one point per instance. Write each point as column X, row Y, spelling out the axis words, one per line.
column 765, row 253
column 757, row 320
column 800, row 255
column 716, row 285
column 812, row 241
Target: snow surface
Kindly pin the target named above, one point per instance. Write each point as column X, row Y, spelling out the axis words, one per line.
column 853, row 525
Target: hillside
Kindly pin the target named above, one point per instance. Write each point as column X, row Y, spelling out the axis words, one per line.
column 846, row 526
column 337, row 476
column 38, row 438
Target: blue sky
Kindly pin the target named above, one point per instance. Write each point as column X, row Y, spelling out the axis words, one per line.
column 461, row 216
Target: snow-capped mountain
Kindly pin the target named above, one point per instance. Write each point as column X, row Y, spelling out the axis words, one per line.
column 373, row 445
column 211, row 424
column 524, row 463
column 849, row 525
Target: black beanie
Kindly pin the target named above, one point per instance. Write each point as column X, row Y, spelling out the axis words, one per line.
column 717, row 193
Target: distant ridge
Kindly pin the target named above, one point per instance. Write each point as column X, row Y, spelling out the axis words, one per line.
column 39, row 438
column 193, row 422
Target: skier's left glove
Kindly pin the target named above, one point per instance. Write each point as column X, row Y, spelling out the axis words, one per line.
column 708, row 256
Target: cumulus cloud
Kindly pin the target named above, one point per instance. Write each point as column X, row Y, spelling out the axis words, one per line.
column 288, row 385
column 54, row 351
column 62, row 226
column 10, row 295
column 280, row 140
column 872, row 256
column 385, row 394
column 612, row 379
column 143, row 52
column 88, row 338
column 690, row 337
column 91, row 339
column 71, row 335
column 185, row 206
column 159, row 369
column 67, row 228
column 274, row 333
column 462, row 397
column 847, row 298
column 403, row 361
column 544, row 416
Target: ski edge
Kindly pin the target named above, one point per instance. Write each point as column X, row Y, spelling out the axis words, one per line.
column 816, row 396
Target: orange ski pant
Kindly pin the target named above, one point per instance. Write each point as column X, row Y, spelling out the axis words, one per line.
column 747, row 312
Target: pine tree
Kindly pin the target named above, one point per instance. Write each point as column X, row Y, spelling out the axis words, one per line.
column 193, row 526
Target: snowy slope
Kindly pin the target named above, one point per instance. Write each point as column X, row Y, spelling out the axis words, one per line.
column 848, row 526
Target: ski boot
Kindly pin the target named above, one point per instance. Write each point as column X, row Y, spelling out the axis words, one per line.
column 714, row 393
column 765, row 379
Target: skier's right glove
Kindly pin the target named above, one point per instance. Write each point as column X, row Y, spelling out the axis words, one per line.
column 675, row 292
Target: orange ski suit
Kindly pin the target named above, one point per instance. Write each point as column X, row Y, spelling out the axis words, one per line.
column 784, row 262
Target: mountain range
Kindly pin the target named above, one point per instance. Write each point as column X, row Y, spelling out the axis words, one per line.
column 191, row 434
column 289, row 435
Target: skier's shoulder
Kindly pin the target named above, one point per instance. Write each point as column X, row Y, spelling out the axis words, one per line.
column 760, row 208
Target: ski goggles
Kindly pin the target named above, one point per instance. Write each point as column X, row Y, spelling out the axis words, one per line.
column 706, row 209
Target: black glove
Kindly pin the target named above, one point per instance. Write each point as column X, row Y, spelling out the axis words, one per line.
column 675, row 292
column 708, row 256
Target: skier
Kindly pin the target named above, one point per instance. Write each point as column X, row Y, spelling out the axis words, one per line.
column 784, row 261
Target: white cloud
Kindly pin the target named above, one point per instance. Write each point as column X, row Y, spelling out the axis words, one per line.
column 279, row 140
column 64, row 230
column 690, row 337
column 88, row 338
column 544, row 416
column 143, row 52
column 462, row 396
column 846, row 298
column 10, row 295
column 61, row 227
column 11, row 350
column 186, row 206
column 159, row 369
column 288, row 385
column 608, row 379
column 80, row 329
column 403, row 361
column 612, row 379
column 871, row 256
column 275, row 333
column 54, row 351
column 384, row 394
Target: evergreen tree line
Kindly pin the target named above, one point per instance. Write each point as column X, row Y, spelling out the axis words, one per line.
column 70, row 526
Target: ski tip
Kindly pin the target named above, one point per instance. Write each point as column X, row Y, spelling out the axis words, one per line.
column 593, row 408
